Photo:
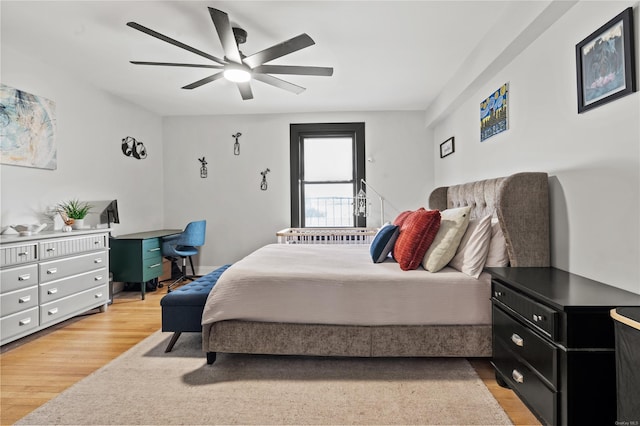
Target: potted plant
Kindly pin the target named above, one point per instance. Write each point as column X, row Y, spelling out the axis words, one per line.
column 73, row 212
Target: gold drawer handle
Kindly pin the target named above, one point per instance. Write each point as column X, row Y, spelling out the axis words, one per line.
column 517, row 376
column 24, row 321
column 52, row 271
column 517, row 340
column 53, row 311
column 52, row 291
column 24, row 277
column 24, row 299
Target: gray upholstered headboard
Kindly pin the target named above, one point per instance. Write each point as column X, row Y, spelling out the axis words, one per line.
column 521, row 204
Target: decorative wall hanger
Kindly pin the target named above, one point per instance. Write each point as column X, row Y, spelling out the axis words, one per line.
column 132, row 148
column 203, row 167
column 263, row 184
column 236, row 145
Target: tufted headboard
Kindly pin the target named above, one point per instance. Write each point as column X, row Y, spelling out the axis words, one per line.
column 521, row 204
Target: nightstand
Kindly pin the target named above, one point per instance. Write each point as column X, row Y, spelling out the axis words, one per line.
column 553, row 342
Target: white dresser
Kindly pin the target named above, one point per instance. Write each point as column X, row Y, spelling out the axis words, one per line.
column 50, row 277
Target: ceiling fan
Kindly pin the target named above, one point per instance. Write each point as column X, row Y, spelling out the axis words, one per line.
column 236, row 66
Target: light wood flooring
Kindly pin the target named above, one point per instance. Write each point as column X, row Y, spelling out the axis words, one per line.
column 37, row 368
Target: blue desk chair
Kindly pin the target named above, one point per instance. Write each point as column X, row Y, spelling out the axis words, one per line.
column 185, row 245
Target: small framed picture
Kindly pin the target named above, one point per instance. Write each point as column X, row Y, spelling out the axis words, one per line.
column 447, row 147
column 605, row 63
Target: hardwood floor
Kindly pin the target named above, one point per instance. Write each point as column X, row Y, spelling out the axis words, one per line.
column 37, row 368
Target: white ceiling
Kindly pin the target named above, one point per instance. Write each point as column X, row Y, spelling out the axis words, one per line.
column 386, row 55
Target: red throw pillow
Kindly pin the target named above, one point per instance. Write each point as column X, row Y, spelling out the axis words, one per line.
column 416, row 235
column 401, row 218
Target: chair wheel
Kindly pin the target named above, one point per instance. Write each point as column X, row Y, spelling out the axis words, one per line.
column 160, row 285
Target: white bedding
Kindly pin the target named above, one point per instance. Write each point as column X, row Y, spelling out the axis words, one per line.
column 339, row 284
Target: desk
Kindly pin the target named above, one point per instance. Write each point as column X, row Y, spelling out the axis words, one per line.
column 137, row 257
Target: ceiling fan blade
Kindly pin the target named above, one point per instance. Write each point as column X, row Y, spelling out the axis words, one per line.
column 181, row 45
column 245, row 90
column 278, row 50
column 281, row 84
column 171, row 64
column 225, row 33
column 293, row 69
column 206, row 80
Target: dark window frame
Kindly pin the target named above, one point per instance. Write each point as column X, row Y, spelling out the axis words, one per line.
column 297, row 132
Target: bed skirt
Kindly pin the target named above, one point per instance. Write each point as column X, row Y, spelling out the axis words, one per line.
column 343, row 340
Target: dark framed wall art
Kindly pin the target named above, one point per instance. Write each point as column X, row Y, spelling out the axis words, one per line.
column 447, row 147
column 605, row 63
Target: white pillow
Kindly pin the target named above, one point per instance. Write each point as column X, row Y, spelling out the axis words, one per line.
column 498, row 247
column 453, row 223
column 474, row 247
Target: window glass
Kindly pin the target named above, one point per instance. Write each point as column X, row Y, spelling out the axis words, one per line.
column 328, row 159
column 328, row 204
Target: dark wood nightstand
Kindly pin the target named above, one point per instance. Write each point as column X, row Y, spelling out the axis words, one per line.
column 553, row 342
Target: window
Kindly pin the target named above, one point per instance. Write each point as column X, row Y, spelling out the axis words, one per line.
column 327, row 164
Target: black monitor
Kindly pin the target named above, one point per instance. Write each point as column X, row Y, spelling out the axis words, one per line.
column 107, row 211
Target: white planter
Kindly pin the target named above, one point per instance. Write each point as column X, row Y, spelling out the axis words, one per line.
column 78, row 224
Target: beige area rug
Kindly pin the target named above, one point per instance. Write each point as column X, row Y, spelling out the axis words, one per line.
column 147, row 386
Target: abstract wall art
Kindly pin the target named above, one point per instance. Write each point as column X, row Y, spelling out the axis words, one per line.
column 494, row 113
column 27, row 129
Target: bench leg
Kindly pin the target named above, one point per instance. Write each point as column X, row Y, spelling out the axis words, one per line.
column 173, row 341
column 211, row 357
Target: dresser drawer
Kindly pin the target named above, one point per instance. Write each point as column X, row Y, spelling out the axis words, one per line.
column 18, row 300
column 541, row 355
column 58, row 289
column 151, row 248
column 540, row 399
column 68, row 246
column 20, row 277
column 18, row 254
column 57, row 310
column 540, row 316
column 19, row 323
column 56, row 269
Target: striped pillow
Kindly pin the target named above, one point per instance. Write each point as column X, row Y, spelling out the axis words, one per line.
column 416, row 235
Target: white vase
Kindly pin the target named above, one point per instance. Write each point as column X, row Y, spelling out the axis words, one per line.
column 78, row 224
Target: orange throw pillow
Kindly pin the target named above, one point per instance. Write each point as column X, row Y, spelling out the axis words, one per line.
column 416, row 235
column 398, row 221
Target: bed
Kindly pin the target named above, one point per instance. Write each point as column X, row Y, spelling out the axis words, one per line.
column 448, row 317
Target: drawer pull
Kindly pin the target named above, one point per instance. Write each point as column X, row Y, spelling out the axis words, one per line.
column 517, row 376
column 52, row 271
column 154, row 249
column 50, row 249
column 96, row 242
column 24, row 321
column 517, row 340
column 52, row 291
column 24, row 277
column 498, row 293
column 155, row 265
column 23, row 253
column 98, row 278
column 53, row 311
column 537, row 317
column 98, row 295
column 24, row 299
column 97, row 260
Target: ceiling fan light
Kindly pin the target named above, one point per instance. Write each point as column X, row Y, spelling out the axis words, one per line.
column 237, row 75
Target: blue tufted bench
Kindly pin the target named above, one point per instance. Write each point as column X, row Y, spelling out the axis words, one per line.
column 182, row 308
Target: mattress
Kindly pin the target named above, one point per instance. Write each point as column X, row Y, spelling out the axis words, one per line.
column 339, row 284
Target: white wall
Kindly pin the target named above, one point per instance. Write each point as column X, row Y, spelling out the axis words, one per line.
column 593, row 158
column 240, row 217
column 91, row 166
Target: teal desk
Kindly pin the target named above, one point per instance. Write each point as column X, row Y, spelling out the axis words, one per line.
column 137, row 258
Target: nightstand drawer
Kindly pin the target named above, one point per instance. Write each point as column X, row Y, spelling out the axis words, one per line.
column 16, row 278
column 526, row 344
column 540, row 316
column 540, row 399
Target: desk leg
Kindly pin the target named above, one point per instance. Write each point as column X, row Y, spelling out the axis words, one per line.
column 143, row 289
